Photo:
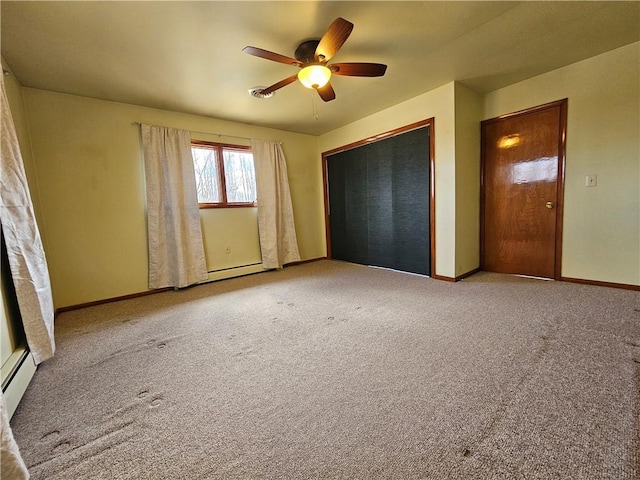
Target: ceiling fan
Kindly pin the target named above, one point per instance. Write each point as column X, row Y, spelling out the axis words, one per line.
column 312, row 56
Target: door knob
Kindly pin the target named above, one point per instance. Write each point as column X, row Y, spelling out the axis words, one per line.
column 548, row 205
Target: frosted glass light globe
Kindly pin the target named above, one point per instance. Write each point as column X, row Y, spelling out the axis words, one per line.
column 314, row 76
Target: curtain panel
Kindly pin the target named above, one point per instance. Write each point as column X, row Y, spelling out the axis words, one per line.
column 176, row 247
column 276, row 227
column 13, row 467
column 24, row 246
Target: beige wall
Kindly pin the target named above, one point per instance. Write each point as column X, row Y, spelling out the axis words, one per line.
column 240, row 236
column 438, row 103
column 468, row 109
column 89, row 165
column 601, row 234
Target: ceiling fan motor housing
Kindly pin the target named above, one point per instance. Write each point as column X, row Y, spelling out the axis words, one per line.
column 306, row 51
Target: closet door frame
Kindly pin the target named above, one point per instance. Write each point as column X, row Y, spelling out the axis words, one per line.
column 430, row 123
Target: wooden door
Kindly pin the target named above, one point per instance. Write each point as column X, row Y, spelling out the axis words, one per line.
column 522, row 185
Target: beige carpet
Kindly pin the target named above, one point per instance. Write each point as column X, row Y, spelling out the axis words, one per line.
column 331, row 370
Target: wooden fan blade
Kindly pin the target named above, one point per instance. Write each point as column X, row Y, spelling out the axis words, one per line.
column 326, row 93
column 333, row 39
column 358, row 69
column 280, row 84
column 276, row 57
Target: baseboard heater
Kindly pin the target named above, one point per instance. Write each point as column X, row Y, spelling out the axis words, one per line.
column 234, row 268
column 17, row 372
column 232, row 272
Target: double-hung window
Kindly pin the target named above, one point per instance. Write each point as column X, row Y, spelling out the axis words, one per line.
column 225, row 176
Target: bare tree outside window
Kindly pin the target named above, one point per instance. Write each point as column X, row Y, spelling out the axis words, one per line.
column 205, row 165
column 225, row 176
column 240, row 177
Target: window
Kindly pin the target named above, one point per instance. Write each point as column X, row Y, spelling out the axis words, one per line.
column 225, row 176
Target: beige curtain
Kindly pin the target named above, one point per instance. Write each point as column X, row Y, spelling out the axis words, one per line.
column 275, row 214
column 13, row 467
column 176, row 248
column 24, row 246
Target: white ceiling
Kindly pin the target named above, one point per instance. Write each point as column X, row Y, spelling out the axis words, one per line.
column 187, row 56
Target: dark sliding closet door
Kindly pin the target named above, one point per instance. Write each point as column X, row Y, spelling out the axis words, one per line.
column 379, row 203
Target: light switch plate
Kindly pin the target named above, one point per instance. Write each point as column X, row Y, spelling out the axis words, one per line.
column 591, row 180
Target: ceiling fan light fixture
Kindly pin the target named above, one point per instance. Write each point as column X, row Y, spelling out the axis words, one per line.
column 314, row 76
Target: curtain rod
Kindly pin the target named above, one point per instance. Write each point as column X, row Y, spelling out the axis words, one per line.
column 204, row 133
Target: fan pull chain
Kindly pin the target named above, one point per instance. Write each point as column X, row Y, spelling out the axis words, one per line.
column 314, row 106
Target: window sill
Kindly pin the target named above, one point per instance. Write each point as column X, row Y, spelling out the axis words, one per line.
column 227, row 205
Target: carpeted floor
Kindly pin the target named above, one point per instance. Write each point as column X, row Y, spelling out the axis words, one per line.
column 330, row 370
